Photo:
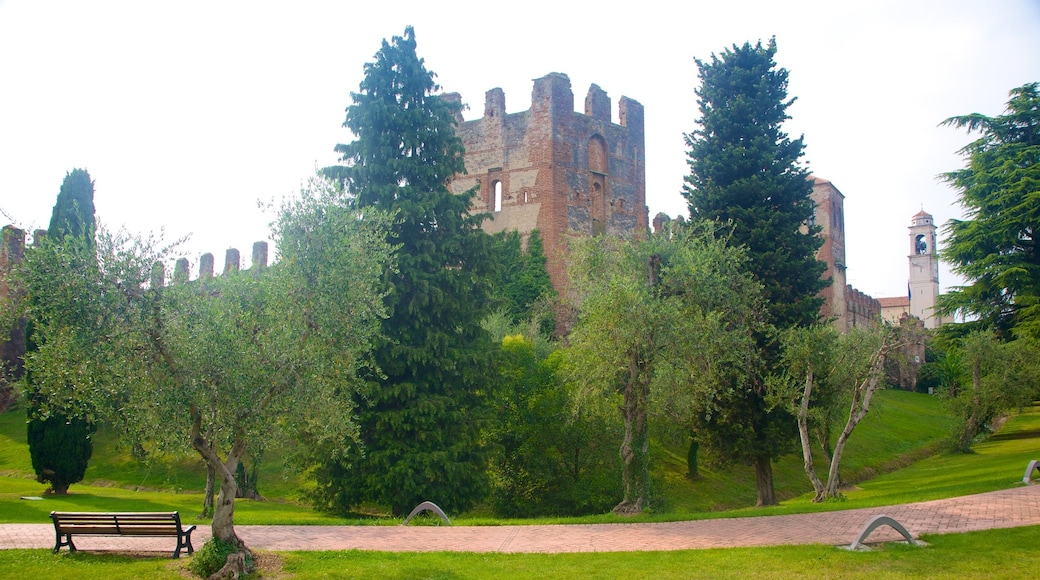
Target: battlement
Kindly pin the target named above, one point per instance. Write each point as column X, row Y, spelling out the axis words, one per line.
column 232, row 263
column 557, row 170
column 12, row 252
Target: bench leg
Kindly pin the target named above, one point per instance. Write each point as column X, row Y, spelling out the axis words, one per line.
column 183, row 541
column 68, row 542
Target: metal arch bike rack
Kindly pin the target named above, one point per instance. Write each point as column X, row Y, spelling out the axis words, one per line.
column 1034, row 465
column 427, row 505
column 876, row 522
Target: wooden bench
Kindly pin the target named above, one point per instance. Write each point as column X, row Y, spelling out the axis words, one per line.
column 68, row 524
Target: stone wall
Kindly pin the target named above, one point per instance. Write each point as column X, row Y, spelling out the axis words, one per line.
column 557, row 170
column 12, row 348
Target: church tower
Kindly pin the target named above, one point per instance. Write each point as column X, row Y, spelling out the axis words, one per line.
column 924, row 270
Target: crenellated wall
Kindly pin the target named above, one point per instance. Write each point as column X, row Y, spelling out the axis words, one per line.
column 232, row 263
column 555, row 169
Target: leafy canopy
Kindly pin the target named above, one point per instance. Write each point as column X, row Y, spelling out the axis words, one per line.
column 60, row 445
column 668, row 323
column 995, row 247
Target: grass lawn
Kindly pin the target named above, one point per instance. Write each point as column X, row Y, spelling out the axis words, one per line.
column 1007, row 553
column 901, row 427
column 998, row 463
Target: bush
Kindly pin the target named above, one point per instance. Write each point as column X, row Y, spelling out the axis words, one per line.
column 212, row 556
column 549, row 458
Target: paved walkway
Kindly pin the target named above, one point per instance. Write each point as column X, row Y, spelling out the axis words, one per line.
column 1015, row 507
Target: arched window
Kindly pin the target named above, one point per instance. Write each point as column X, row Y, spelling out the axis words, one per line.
column 920, row 245
column 497, row 185
column 597, row 154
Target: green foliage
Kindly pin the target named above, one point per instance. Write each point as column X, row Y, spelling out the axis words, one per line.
column 668, row 324
column 421, row 415
column 552, row 455
column 60, row 449
column 225, row 364
column 827, row 372
column 745, row 172
column 212, row 556
column 60, row 444
column 522, row 283
column 996, row 247
column 983, row 379
column 73, row 213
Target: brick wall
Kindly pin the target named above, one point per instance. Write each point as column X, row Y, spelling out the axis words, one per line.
column 557, row 170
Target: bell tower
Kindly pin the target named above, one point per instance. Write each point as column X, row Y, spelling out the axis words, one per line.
column 924, row 270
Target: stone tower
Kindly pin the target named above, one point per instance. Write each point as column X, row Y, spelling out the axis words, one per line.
column 924, row 270
column 555, row 169
column 844, row 306
column 829, row 215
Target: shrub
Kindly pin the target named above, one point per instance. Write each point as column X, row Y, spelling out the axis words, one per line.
column 212, row 556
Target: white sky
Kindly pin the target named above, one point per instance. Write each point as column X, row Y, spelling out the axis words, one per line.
column 186, row 114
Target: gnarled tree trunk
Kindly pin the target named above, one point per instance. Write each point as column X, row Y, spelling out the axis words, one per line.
column 861, row 397
column 803, row 434
column 635, row 446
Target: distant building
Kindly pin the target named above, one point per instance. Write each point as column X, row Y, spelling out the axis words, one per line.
column 847, row 307
column 923, row 283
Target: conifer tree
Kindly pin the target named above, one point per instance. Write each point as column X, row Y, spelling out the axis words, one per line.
column 745, row 172
column 60, row 446
column 995, row 247
column 420, row 420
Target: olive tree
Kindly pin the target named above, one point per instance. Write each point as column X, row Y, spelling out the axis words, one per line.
column 667, row 324
column 233, row 361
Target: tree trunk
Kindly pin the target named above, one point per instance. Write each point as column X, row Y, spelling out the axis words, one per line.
column 803, row 434
column 764, row 480
column 972, row 425
column 223, row 525
column 57, row 487
column 860, row 406
column 692, row 470
column 634, row 448
column 207, row 501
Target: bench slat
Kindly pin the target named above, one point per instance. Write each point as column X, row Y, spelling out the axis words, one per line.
column 68, row 524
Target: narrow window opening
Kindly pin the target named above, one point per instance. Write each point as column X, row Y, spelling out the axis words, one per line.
column 498, row 195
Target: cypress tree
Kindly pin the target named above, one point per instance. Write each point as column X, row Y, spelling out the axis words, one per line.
column 419, row 420
column 60, row 446
column 745, row 172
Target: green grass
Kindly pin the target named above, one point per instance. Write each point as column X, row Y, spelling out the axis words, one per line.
column 905, row 425
column 897, row 430
column 1009, row 553
column 902, row 426
column 992, row 554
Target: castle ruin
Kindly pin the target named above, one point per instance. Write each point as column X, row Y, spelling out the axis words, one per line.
column 556, row 170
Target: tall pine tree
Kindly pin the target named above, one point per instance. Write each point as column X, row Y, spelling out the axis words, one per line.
column 420, row 420
column 744, row 171
column 60, row 446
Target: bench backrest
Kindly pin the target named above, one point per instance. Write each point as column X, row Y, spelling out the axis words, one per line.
column 118, row 523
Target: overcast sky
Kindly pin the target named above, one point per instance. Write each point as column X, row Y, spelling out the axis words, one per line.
column 186, row 114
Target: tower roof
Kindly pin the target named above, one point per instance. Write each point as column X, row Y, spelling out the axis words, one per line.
column 922, row 213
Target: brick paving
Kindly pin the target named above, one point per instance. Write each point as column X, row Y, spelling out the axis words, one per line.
column 1015, row 507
